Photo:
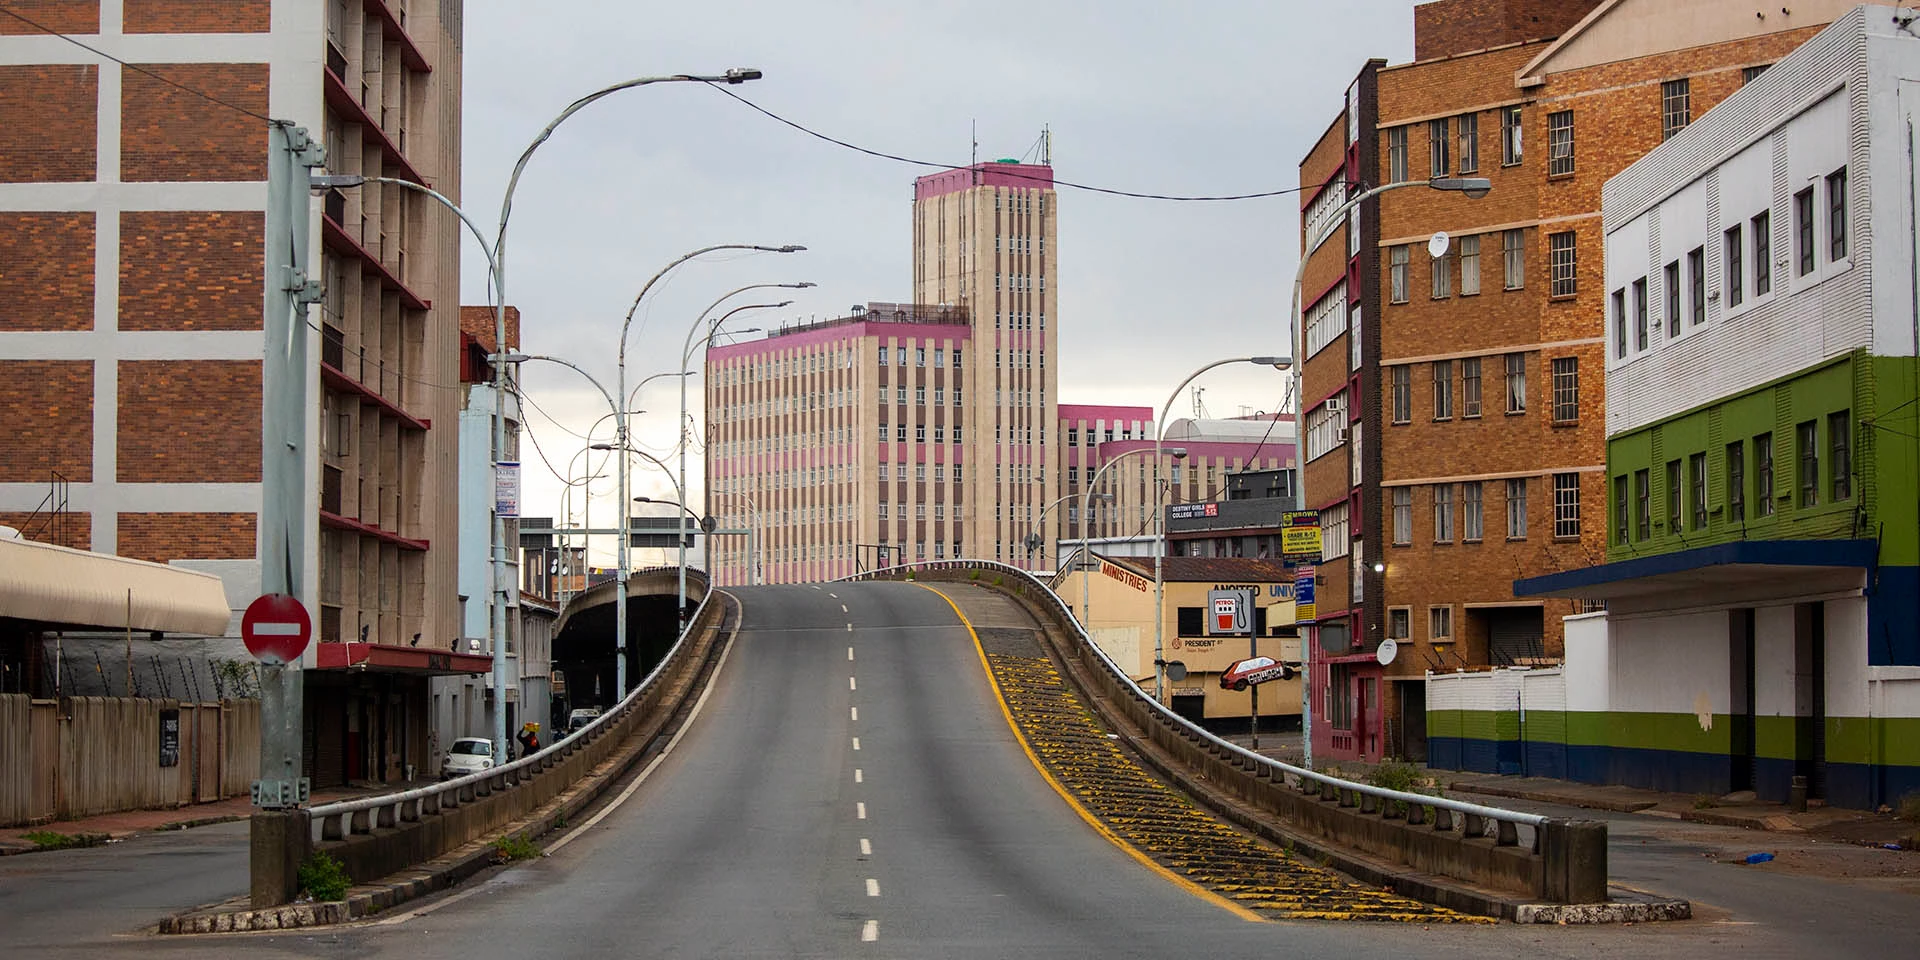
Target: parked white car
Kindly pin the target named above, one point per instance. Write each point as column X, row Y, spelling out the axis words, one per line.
column 469, row 755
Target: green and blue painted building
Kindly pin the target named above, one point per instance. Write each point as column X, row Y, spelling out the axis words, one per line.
column 1762, row 576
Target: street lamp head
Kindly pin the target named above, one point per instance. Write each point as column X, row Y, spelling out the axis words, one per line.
column 795, row 248
column 1278, row 363
column 1473, row 187
column 1179, row 453
column 508, row 358
column 317, row 182
column 601, row 446
column 1379, row 567
column 802, row 285
column 739, row 75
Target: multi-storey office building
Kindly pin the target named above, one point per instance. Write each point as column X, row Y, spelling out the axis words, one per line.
column 1760, row 573
column 1453, row 425
column 843, row 444
column 983, row 239
column 133, row 343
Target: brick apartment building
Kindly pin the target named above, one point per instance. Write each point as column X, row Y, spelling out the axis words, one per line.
column 131, row 218
column 1455, row 430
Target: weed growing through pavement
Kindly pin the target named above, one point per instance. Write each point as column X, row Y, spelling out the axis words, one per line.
column 323, row 878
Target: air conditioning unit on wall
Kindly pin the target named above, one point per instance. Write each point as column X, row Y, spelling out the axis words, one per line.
column 1336, row 404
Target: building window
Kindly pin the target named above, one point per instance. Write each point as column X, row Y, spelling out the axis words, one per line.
column 1807, row 438
column 883, row 356
column 1402, row 394
column 920, row 433
column 1439, row 164
column 1517, row 509
column 1399, row 621
column 1397, row 259
column 1326, row 426
column 1736, row 482
column 1443, row 513
column 1443, row 390
column 1402, row 515
column 1440, row 624
column 1642, row 504
column 1566, row 389
column 1513, row 258
column 1469, row 266
column 1837, row 214
column 1697, row 489
column 1803, row 230
column 1073, row 436
column 1563, row 269
column 1443, row 276
column 1560, row 143
column 1619, row 301
column 1672, row 282
column 1566, row 505
column 899, row 432
column 1469, row 143
column 1470, row 387
column 1620, row 509
column 1510, row 136
column 1334, row 536
column 1763, row 475
column 1736, row 267
column 1697, row 284
column 1397, row 155
column 1749, row 74
column 920, row 396
column 1840, row 436
column 1676, row 107
column 1516, row 383
column 1640, row 314
column 1472, row 518
column 1673, row 496
column 1762, row 253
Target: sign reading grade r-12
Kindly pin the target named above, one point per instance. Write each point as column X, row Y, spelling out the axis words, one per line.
column 276, row 628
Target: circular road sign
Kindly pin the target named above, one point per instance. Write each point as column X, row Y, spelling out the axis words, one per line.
column 1176, row 670
column 276, row 628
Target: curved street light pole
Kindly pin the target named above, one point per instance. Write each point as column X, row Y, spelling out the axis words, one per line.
column 1086, row 524
column 686, row 371
column 1474, row 188
column 1159, row 521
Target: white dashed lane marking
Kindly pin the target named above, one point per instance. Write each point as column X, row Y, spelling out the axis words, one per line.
column 858, row 777
column 854, row 712
column 860, row 810
column 873, row 887
column 843, row 608
column 856, row 743
column 866, row 847
column 849, row 653
column 850, row 684
column 870, row 932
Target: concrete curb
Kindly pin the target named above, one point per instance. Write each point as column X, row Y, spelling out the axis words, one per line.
column 441, row 873
column 1602, row 803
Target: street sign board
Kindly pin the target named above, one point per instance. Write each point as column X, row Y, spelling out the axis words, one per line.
column 1232, row 613
column 1300, row 534
column 506, row 488
column 276, row 628
column 1303, row 606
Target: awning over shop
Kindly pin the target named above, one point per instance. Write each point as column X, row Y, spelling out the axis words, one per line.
column 390, row 658
column 64, row 587
column 1744, row 563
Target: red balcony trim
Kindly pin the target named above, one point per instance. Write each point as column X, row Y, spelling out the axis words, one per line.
column 338, row 379
column 393, row 658
column 342, row 242
column 339, row 522
column 342, row 99
column 409, row 51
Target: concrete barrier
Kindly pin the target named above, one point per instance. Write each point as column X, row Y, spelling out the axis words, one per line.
column 1550, row 860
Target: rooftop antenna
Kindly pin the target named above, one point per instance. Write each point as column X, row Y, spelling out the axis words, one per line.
column 1199, row 406
column 974, row 164
column 1046, row 145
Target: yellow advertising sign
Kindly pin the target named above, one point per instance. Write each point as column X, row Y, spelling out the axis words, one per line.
column 1300, row 534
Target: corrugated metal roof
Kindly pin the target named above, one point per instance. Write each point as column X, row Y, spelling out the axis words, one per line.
column 53, row 584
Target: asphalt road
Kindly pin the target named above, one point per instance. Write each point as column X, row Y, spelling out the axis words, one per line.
column 851, row 788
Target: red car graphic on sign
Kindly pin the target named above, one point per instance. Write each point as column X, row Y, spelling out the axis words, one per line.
column 1242, row 673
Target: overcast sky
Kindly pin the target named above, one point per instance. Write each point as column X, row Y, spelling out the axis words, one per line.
column 1210, row 97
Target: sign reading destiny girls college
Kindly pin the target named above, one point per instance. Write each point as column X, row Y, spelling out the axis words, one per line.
column 1300, row 535
column 1303, row 607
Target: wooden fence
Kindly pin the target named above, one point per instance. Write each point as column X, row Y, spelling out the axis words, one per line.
column 83, row 756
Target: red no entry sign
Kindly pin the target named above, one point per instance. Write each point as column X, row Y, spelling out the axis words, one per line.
column 276, row 628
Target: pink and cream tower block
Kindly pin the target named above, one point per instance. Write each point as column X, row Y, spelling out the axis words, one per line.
column 983, row 238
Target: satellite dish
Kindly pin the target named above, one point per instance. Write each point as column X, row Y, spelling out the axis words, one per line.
column 1437, row 245
column 1176, row 670
column 1388, row 650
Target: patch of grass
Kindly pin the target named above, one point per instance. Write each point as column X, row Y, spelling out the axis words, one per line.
column 509, row 849
column 1404, row 777
column 1908, row 808
column 1705, row 802
column 54, row 840
column 560, row 822
column 973, row 574
column 324, row 879
column 998, row 580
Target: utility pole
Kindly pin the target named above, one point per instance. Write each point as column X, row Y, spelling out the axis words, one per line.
column 279, row 827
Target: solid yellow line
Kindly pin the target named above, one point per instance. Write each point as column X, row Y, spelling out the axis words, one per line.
column 1072, row 801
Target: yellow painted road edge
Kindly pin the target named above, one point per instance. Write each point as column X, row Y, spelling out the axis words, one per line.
column 1000, row 699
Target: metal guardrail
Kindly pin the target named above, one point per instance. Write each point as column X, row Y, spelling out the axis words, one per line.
column 1474, row 816
column 363, row 814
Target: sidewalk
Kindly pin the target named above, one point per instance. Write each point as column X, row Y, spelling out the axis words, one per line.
column 119, row 826
column 1735, row 810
